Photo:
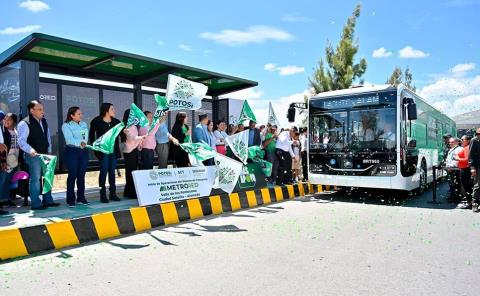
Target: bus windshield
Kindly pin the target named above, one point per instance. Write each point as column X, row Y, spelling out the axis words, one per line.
column 369, row 128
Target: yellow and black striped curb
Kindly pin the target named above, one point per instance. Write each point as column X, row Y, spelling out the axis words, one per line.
column 56, row 235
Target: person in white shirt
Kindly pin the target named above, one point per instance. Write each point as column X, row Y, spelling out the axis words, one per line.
column 303, row 153
column 284, row 155
column 453, row 170
column 220, row 136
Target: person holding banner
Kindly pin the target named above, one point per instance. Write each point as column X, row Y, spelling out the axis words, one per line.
column 75, row 132
column 34, row 138
column 147, row 146
column 200, row 133
column 182, row 133
column 162, row 137
column 220, row 136
column 132, row 140
column 108, row 162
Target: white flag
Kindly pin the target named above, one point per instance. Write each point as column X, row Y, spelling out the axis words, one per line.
column 183, row 94
column 272, row 118
column 239, row 145
column 228, row 172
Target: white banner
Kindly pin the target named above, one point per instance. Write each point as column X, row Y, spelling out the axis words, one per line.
column 167, row 185
column 183, row 94
column 239, row 145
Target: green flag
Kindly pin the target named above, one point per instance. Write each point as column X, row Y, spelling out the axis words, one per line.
column 201, row 151
column 136, row 117
column 106, row 142
column 160, row 111
column 246, row 114
column 255, row 151
column 48, row 169
column 265, row 165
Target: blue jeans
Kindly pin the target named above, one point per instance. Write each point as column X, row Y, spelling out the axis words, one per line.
column 35, row 171
column 76, row 160
column 5, row 181
column 108, row 164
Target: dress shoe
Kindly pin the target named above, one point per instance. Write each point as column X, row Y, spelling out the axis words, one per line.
column 115, row 198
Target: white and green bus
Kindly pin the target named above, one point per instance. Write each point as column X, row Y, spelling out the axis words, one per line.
column 375, row 137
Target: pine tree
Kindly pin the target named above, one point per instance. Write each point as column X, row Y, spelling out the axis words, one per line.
column 398, row 76
column 341, row 70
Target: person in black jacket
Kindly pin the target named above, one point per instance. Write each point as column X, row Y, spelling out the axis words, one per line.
column 474, row 162
column 182, row 133
column 108, row 162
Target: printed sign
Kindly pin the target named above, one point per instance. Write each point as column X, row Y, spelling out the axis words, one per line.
column 183, row 94
column 168, row 185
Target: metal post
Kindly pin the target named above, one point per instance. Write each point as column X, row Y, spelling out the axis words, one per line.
column 434, row 190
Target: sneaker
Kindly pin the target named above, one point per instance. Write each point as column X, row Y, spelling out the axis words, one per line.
column 464, row 206
column 83, row 201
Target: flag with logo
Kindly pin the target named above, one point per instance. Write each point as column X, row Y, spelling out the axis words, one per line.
column 228, row 172
column 239, row 145
column 255, row 152
column 201, row 151
column 272, row 118
column 265, row 165
column 246, row 114
column 106, row 142
column 48, row 163
column 160, row 113
column 183, row 94
column 136, row 117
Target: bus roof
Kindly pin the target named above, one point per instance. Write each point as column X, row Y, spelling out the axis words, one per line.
column 355, row 90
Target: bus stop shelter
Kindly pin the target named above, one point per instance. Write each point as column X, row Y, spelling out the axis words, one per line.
column 62, row 73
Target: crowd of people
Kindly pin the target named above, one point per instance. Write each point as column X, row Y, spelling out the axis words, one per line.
column 462, row 162
column 285, row 149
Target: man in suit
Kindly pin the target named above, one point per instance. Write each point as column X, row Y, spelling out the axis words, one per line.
column 474, row 162
column 254, row 138
column 200, row 133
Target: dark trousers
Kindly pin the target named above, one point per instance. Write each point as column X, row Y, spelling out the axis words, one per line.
column 455, row 185
column 304, row 165
column 476, row 187
column 108, row 164
column 467, row 183
column 131, row 164
column 147, row 156
column 284, row 174
column 76, row 160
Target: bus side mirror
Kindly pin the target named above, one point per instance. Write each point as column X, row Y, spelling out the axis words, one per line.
column 291, row 114
column 412, row 111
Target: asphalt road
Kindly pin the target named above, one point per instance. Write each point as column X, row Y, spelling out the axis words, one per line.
column 333, row 244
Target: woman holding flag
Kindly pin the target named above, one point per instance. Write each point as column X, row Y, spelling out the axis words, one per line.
column 75, row 132
column 108, row 162
column 182, row 133
column 132, row 140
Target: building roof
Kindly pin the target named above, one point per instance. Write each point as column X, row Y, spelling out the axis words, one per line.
column 67, row 57
column 355, row 90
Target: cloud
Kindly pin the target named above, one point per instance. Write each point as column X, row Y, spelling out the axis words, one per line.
column 381, row 53
column 296, row 19
column 160, row 42
column 453, row 95
column 409, row 52
column 34, row 6
column 284, row 70
column 255, row 34
column 20, row 30
column 185, row 47
column 461, row 69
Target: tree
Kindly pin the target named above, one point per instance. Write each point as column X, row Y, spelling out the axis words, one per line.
column 398, row 76
column 341, row 70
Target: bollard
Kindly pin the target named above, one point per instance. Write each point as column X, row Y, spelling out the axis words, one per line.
column 434, row 189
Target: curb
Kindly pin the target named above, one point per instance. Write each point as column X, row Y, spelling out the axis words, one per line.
column 19, row 242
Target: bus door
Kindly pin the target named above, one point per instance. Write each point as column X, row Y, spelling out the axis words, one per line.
column 408, row 145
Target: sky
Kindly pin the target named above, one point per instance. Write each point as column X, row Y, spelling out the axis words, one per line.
column 276, row 43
